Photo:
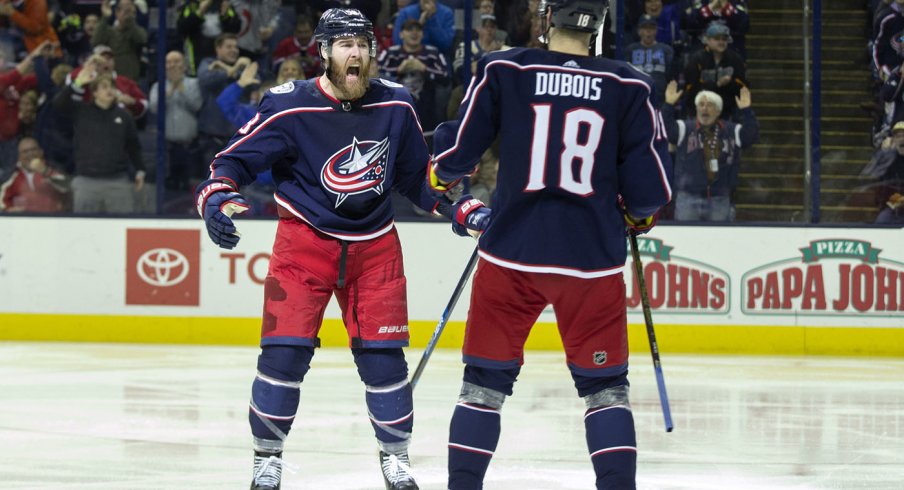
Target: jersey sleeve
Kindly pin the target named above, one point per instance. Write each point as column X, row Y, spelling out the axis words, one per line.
column 411, row 162
column 644, row 165
column 459, row 144
column 255, row 147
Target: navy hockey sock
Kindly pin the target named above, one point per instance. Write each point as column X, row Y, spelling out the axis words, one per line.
column 275, row 394
column 473, row 436
column 612, row 445
column 476, row 424
column 388, row 396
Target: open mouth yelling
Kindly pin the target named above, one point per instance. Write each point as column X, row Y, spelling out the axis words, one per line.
column 353, row 74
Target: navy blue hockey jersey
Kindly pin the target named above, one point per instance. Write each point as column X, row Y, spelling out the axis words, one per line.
column 333, row 168
column 575, row 133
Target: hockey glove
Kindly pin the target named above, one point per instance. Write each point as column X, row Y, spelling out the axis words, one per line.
column 638, row 225
column 435, row 186
column 217, row 201
column 471, row 217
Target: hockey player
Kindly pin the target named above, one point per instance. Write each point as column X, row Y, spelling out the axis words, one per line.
column 337, row 145
column 556, row 234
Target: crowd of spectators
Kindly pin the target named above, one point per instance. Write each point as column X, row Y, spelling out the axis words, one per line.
column 81, row 78
column 884, row 174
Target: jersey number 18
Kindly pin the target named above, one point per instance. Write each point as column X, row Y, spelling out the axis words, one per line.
column 576, row 182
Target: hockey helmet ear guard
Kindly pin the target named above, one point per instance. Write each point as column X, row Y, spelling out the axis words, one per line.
column 579, row 15
column 336, row 23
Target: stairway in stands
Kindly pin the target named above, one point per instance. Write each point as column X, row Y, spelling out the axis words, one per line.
column 771, row 185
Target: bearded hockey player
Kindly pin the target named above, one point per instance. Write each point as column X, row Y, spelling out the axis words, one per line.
column 336, row 144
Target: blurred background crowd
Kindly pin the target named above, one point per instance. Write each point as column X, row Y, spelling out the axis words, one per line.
column 80, row 130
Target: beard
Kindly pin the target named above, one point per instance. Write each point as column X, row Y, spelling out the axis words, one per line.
column 349, row 89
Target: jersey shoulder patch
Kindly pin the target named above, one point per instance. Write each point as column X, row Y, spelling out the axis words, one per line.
column 389, row 83
column 284, row 88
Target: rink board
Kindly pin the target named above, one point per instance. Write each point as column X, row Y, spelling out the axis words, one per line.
column 742, row 290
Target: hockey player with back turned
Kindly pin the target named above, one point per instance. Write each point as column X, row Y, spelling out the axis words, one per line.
column 336, row 144
column 597, row 160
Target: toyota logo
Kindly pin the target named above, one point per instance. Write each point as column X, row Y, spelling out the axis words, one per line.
column 162, row 267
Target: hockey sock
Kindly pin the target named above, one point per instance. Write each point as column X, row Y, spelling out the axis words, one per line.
column 388, row 396
column 476, row 424
column 275, row 394
column 609, row 426
column 473, row 436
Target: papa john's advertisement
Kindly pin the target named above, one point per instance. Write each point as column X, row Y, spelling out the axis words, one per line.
column 771, row 276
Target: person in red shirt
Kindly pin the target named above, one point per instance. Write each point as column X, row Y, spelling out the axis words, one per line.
column 301, row 46
column 13, row 84
column 34, row 186
column 128, row 94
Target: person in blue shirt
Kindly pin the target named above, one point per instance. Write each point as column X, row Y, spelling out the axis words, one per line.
column 437, row 19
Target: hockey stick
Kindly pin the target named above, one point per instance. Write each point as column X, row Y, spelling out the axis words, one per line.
column 651, row 335
column 444, row 318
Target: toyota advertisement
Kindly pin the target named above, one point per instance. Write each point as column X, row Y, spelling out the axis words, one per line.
column 770, row 279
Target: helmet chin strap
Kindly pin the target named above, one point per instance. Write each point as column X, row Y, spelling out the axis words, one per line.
column 544, row 28
column 598, row 45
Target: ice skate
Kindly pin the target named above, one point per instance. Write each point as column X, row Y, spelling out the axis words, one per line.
column 267, row 471
column 397, row 472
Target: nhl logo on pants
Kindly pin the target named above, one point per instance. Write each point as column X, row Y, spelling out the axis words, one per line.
column 599, row 358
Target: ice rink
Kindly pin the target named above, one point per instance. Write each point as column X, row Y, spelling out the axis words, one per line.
column 123, row 416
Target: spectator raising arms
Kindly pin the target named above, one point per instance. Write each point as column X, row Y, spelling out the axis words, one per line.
column 200, row 23
column 708, row 154
column 108, row 161
column 214, row 75
column 124, row 37
column 30, row 16
column 127, row 92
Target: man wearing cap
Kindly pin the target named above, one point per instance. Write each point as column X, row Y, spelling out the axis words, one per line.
column 486, row 42
column 421, row 68
column 128, row 94
column 707, row 154
column 437, row 19
column 717, row 69
column 668, row 21
column 651, row 57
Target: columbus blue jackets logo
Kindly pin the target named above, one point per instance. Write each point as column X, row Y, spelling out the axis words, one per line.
column 358, row 168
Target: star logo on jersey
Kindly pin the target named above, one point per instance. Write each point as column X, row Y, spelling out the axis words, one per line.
column 359, row 167
column 571, row 64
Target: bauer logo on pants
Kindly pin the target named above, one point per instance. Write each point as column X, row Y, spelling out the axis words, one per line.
column 162, row 267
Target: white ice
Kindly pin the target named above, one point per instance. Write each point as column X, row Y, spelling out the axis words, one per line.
column 123, row 416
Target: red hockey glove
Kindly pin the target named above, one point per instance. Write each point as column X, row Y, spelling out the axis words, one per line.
column 472, row 217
